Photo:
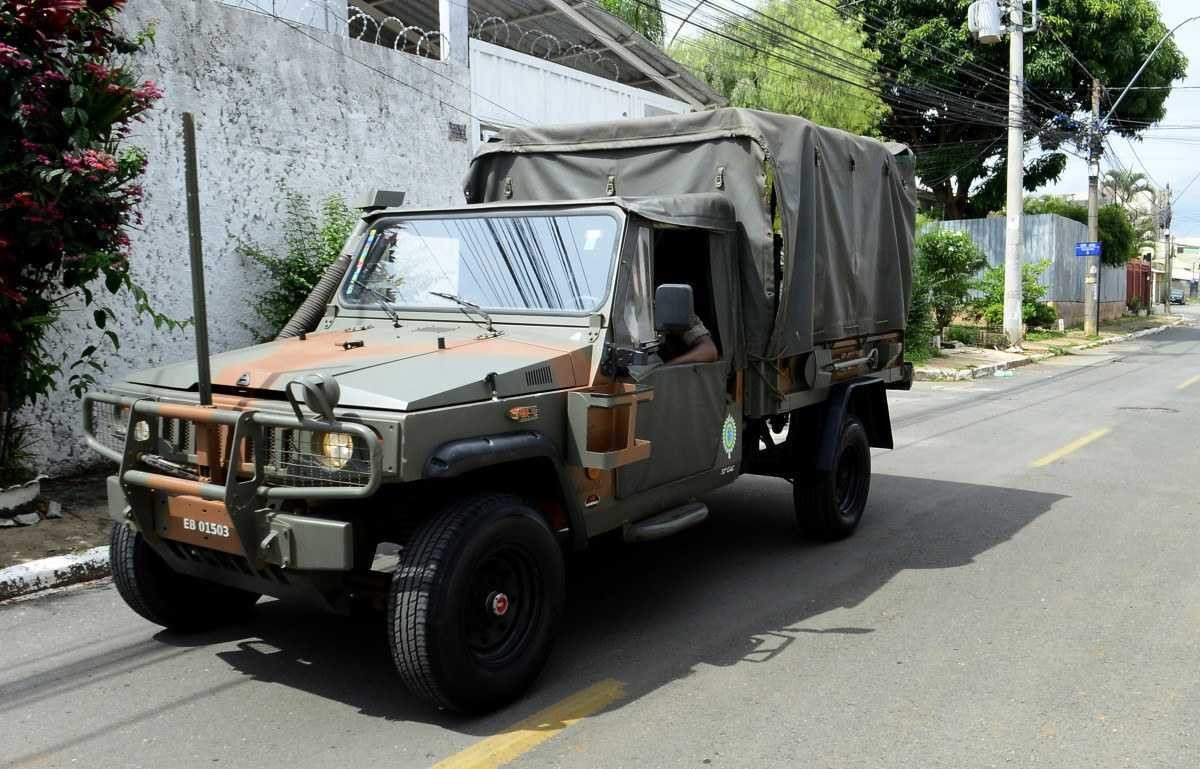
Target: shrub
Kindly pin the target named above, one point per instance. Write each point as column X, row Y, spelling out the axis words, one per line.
column 918, row 334
column 948, row 260
column 311, row 244
column 68, row 188
column 989, row 304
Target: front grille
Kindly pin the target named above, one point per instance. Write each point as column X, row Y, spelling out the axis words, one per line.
column 108, row 422
column 291, row 457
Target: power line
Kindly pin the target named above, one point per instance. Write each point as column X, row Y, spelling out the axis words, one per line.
column 1049, row 28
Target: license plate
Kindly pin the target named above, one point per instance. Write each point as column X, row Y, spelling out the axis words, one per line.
column 200, row 522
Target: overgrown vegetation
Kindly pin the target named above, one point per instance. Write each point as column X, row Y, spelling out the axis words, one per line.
column 311, row 243
column 988, row 305
column 948, row 260
column 68, row 193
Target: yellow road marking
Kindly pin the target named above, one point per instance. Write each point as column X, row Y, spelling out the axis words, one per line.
column 1071, row 447
column 1189, row 383
column 522, row 737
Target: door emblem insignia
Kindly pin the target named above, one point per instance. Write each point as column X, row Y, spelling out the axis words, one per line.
column 729, row 436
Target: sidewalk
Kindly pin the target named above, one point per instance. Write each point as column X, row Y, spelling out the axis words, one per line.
column 964, row 363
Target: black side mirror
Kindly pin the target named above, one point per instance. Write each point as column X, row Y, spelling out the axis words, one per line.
column 673, row 307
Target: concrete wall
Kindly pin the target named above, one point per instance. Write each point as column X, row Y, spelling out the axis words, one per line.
column 274, row 106
column 510, row 88
column 1050, row 237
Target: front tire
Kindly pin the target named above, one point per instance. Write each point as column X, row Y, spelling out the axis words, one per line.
column 475, row 604
column 829, row 505
column 165, row 597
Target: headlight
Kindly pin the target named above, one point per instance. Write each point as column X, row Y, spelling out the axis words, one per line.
column 334, row 450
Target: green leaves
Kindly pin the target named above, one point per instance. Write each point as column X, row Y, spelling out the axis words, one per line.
column 311, row 244
column 757, row 63
column 948, row 261
column 924, row 45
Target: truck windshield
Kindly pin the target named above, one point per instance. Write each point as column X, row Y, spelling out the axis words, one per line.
column 499, row 262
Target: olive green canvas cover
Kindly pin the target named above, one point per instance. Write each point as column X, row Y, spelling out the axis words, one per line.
column 846, row 207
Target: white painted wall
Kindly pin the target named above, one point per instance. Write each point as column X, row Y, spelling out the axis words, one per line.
column 510, row 88
column 274, row 106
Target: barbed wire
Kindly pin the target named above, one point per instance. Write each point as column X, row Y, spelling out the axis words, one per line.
column 393, row 32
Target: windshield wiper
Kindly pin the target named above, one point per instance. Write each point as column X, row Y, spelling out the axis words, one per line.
column 468, row 306
column 384, row 303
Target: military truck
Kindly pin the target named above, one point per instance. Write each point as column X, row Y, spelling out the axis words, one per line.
column 473, row 393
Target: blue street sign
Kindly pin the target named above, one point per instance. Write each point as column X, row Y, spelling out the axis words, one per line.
column 1087, row 249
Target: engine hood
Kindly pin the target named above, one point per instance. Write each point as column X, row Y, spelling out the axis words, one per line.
column 399, row 369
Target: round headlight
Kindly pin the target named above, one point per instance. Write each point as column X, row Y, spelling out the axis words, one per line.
column 335, row 449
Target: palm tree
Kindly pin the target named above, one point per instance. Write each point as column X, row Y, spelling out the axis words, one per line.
column 1125, row 187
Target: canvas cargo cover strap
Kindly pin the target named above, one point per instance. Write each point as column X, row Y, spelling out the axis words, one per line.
column 845, row 204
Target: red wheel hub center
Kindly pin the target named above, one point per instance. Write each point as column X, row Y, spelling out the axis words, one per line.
column 498, row 604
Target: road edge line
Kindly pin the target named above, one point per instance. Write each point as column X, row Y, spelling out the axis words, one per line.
column 56, row 571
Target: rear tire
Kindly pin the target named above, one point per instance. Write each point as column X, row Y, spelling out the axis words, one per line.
column 165, row 597
column 829, row 505
column 475, row 604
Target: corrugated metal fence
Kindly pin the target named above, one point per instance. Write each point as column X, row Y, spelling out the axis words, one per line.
column 1047, row 236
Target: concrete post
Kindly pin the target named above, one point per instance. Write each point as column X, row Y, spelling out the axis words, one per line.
column 1013, row 325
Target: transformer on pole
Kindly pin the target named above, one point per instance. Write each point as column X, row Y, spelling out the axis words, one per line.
column 985, row 21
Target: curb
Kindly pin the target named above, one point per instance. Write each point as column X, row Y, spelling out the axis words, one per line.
column 57, row 571
column 979, row 372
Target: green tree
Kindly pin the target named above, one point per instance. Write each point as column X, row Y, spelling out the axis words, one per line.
column 923, row 43
column 948, row 261
column 311, row 244
column 1117, row 233
column 645, row 16
column 756, row 62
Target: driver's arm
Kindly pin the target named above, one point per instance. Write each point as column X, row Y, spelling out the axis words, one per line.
column 700, row 347
column 702, row 351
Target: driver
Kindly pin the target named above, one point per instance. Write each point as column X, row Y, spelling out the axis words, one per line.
column 693, row 345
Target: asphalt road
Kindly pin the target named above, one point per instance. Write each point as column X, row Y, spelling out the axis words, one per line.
column 1024, row 591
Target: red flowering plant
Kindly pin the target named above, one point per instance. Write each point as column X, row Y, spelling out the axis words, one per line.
column 68, row 189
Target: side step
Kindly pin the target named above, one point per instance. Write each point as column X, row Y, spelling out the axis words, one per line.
column 666, row 523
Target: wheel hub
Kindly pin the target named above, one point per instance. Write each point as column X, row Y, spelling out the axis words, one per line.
column 497, row 603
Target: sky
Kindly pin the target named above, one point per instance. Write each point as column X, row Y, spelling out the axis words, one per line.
column 1161, row 155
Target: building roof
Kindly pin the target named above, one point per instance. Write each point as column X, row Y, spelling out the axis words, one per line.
column 575, row 33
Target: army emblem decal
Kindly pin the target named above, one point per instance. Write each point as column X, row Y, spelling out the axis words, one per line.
column 729, row 436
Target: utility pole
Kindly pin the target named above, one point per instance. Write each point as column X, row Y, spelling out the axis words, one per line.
column 1167, row 262
column 1013, row 243
column 984, row 22
column 1091, row 286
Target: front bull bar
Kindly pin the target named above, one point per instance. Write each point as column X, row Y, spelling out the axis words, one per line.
column 242, row 497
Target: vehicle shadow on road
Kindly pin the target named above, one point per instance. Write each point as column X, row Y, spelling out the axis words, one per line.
column 741, row 589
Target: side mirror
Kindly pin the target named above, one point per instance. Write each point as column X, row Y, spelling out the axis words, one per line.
column 673, row 307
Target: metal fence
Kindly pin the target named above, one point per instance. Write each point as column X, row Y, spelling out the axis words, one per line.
column 1047, row 237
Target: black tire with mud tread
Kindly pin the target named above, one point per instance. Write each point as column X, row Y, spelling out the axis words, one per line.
column 432, row 589
column 165, row 597
column 823, row 511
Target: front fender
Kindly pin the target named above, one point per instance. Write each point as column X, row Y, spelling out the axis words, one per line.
column 465, row 455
